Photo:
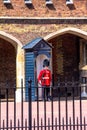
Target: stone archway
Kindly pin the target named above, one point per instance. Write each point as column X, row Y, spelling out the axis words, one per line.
column 70, row 30
column 81, row 50
column 81, row 36
column 15, row 51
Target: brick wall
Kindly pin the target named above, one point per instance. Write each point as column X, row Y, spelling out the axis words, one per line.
column 26, row 30
column 39, row 9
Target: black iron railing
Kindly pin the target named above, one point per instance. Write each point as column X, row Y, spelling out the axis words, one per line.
column 66, row 109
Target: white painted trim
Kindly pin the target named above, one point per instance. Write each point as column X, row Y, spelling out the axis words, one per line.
column 49, row 2
column 69, row 2
column 6, row 1
column 28, row 1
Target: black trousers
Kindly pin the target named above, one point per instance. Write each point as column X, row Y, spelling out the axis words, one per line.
column 46, row 92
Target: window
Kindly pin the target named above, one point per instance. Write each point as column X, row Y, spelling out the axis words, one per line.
column 48, row 2
column 6, row 1
column 28, row 1
column 69, row 2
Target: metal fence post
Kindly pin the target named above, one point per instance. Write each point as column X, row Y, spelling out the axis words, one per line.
column 7, row 105
column 29, row 99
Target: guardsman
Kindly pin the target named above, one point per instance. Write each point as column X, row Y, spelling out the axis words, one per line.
column 44, row 79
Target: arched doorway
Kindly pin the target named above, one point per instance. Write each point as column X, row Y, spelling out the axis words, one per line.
column 69, row 54
column 11, row 64
column 65, row 57
column 7, row 68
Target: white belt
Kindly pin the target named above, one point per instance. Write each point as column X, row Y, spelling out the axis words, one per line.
column 45, row 78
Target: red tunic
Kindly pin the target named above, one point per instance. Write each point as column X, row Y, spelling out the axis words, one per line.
column 45, row 77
